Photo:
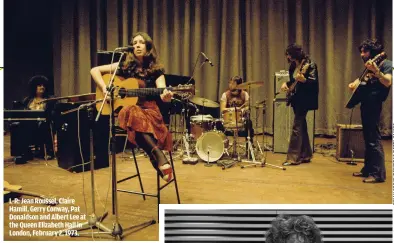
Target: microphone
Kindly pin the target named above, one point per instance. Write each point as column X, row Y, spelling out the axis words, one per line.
column 206, row 58
column 124, row 49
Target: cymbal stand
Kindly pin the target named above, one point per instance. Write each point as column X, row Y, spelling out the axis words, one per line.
column 263, row 107
column 235, row 155
column 184, row 141
column 179, row 142
column 263, row 162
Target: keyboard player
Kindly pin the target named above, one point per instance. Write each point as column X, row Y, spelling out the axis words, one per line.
column 27, row 133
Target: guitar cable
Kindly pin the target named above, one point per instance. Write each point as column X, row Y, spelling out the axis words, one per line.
column 82, row 159
column 348, row 139
column 83, row 179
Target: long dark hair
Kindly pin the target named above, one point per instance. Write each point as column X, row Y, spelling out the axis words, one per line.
column 34, row 82
column 371, row 45
column 296, row 52
column 150, row 62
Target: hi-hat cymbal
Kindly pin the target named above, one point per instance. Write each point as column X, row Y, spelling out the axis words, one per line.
column 204, row 102
column 250, row 84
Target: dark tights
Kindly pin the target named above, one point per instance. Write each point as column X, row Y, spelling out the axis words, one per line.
column 148, row 143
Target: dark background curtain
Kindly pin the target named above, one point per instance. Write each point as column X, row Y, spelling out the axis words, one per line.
column 60, row 39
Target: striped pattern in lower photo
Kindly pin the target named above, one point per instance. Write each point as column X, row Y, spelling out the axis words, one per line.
column 250, row 225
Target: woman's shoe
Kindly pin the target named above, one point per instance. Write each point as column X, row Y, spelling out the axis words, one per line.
column 166, row 172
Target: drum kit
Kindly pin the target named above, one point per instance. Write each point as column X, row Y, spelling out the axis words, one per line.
column 208, row 136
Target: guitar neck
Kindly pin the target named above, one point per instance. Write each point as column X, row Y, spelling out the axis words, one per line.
column 302, row 71
column 142, row 92
column 293, row 85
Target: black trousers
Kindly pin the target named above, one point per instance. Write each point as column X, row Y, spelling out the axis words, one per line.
column 374, row 155
column 299, row 146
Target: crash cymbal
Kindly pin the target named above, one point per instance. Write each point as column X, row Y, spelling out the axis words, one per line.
column 251, row 84
column 204, row 102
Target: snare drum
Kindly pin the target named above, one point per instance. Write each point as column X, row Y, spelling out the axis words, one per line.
column 200, row 124
column 211, row 146
column 232, row 118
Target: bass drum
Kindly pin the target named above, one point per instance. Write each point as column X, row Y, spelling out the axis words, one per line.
column 211, row 146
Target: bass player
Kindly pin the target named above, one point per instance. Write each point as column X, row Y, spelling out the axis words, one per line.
column 303, row 98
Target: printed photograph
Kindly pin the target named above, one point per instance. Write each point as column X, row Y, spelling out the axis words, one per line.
column 112, row 108
column 277, row 226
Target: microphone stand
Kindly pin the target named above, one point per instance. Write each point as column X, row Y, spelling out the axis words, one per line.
column 93, row 220
column 117, row 230
column 194, row 68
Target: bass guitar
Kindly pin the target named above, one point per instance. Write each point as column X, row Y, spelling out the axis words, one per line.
column 292, row 89
column 360, row 90
column 127, row 92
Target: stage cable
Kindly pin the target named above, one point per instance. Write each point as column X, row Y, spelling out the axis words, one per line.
column 83, row 170
column 82, row 160
column 348, row 138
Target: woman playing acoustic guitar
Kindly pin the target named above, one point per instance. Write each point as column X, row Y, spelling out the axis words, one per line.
column 143, row 122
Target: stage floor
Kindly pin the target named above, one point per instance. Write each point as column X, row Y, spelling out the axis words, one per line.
column 323, row 181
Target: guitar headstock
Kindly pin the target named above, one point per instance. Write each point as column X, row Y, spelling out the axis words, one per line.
column 184, row 90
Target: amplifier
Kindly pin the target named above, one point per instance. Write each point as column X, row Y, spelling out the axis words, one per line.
column 280, row 77
column 68, row 136
column 350, row 140
column 283, row 126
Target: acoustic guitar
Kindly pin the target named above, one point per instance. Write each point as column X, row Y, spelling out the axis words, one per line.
column 293, row 87
column 9, row 189
column 360, row 90
column 127, row 92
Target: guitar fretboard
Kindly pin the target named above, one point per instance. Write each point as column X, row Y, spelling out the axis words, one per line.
column 142, row 92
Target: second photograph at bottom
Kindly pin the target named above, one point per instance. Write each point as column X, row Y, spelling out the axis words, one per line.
column 278, row 226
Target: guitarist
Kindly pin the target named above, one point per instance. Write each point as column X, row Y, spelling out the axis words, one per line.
column 303, row 71
column 143, row 122
column 377, row 89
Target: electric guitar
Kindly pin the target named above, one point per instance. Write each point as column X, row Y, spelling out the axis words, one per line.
column 127, row 91
column 360, row 90
column 292, row 89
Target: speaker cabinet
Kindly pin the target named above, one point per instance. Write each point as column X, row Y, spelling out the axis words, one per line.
column 350, row 143
column 69, row 152
column 280, row 77
column 283, row 126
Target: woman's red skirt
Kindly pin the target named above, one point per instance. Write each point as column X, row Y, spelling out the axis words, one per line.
column 145, row 118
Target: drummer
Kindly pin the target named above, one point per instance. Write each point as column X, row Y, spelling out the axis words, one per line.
column 237, row 98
